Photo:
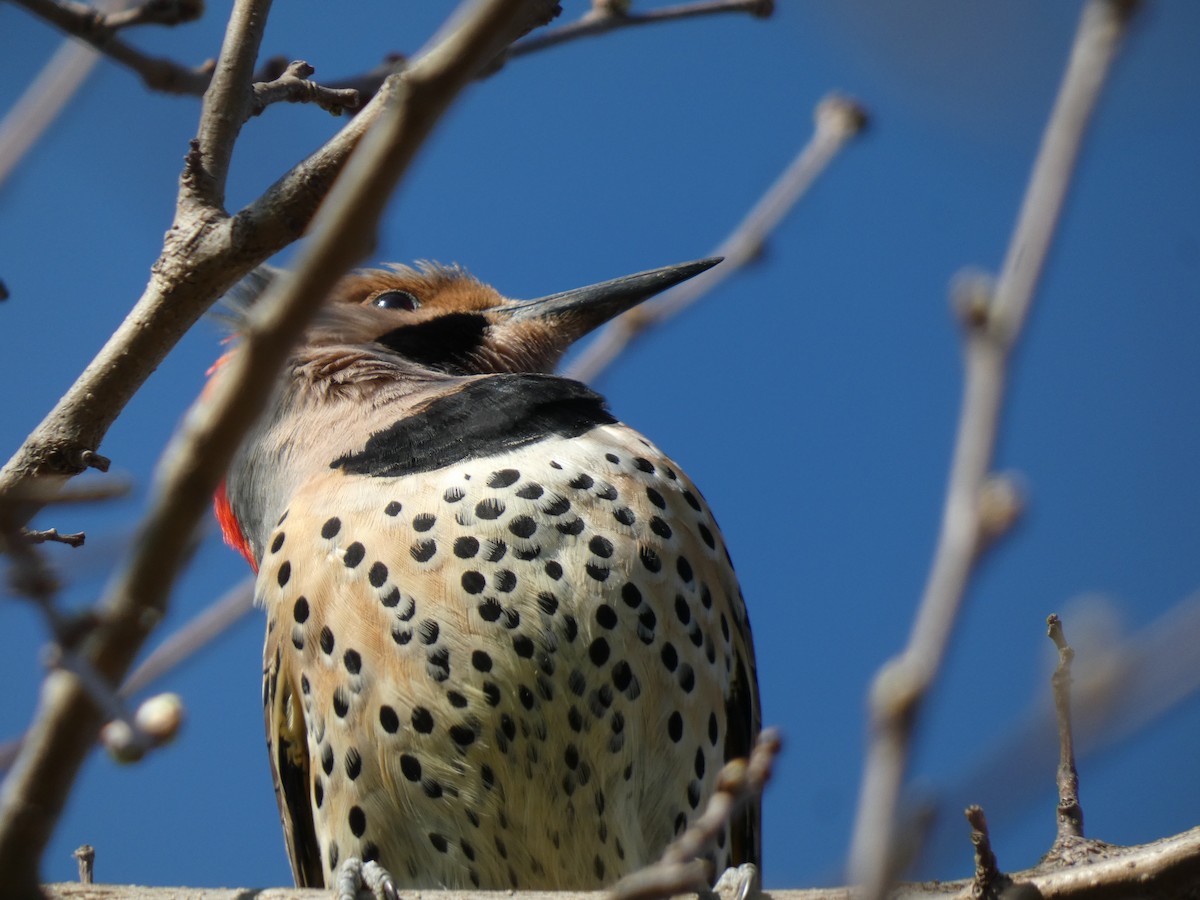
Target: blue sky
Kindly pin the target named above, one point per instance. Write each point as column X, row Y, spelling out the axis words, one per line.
column 813, row 398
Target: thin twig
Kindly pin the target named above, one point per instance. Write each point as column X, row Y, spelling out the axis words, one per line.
column 179, row 647
column 1117, row 691
column 837, row 120
column 1168, row 868
column 596, row 22
column 294, row 86
column 681, row 869
column 989, row 882
column 32, row 578
column 225, row 109
column 590, row 24
column 903, row 682
column 85, row 23
column 1069, row 845
column 156, row 12
column 86, row 857
column 192, row 637
column 50, row 492
column 1070, row 813
column 36, row 788
column 52, row 535
column 42, row 101
column 205, row 252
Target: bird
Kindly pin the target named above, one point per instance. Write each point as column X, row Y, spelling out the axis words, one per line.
column 506, row 646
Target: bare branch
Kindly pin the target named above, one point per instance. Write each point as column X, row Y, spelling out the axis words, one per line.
column 293, row 86
column 204, row 254
column 51, row 534
column 86, row 856
column 837, row 120
column 85, row 23
column 226, row 107
column 42, row 101
column 156, row 12
column 590, row 24
column 179, row 647
column 1163, row 870
column 990, row 333
column 989, row 882
column 192, row 637
column 48, row 492
column 1070, row 813
column 682, row 869
column 602, row 19
column 37, row 786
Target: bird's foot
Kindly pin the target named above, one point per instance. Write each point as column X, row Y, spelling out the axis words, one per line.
column 355, row 876
column 739, row 882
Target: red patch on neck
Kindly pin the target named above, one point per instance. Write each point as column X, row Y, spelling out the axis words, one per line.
column 230, row 529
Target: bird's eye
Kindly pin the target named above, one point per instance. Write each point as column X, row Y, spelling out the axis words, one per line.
column 396, row 300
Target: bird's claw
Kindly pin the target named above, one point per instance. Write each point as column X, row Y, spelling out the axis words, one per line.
column 355, row 877
column 739, row 882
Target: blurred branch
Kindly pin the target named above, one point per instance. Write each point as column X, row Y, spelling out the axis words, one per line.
column 51, row 535
column 183, row 644
column 604, row 17
column 37, row 787
column 156, row 12
column 100, row 30
column 991, row 327
column 601, row 19
column 1118, row 691
column 837, row 120
column 205, row 252
column 178, row 647
column 42, row 101
column 682, row 869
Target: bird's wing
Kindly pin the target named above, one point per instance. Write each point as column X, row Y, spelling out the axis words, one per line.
column 743, row 714
column 287, row 747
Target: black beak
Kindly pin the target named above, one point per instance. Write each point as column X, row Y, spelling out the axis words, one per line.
column 585, row 308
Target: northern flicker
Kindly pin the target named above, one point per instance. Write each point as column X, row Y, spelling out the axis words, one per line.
column 505, row 644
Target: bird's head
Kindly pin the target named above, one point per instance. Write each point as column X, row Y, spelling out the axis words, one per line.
column 443, row 319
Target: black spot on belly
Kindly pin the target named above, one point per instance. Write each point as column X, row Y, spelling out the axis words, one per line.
column 503, row 478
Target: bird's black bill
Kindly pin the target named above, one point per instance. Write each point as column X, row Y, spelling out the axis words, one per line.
column 595, row 304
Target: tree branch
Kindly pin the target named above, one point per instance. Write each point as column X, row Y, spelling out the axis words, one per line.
column 42, row 101
column 226, row 107
column 837, row 120
column 681, row 868
column 991, row 329
column 66, row 722
column 1070, row 813
column 605, row 17
column 204, row 254
column 1163, row 870
column 52, row 535
column 156, row 12
column 294, row 86
column 98, row 30
column 989, row 882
